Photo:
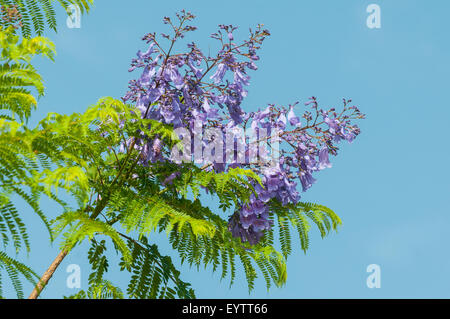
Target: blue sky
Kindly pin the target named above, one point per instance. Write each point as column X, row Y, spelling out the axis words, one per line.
column 390, row 186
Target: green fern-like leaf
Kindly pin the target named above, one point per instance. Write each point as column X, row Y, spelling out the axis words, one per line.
column 14, row 269
column 36, row 15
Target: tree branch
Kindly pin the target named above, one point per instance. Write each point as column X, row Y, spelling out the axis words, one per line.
column 48, row 274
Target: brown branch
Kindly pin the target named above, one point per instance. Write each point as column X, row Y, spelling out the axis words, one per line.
column 48, row 274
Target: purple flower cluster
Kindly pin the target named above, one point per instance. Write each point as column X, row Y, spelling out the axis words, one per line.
column 254, row 216
column 307, row 149
column 177, row 89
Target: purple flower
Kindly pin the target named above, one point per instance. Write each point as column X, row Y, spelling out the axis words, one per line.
column 147, row 53
column 333, row 124
column 293, row 120
column 210, row 112
column 247, row 220
column 235, row 112
column 306, row 179
column 241, row 78
column 220, row 73
column 197, row 71
column 281, row 122
column 171, row 73
column 169, row 179
column 324, row 162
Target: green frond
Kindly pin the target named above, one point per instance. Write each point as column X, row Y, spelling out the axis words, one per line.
column 154, row 275
column 11, row 222
column 36, row 15
column 18, row 166
column 81, row 227
column 222, row 248
column 299, row 217
column 145, row 217
column 17, row 76
column 102, row 290
column 14, row 270
column 98, row 261
column 73, row 179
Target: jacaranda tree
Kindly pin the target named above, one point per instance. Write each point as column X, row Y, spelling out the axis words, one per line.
column 153, row 160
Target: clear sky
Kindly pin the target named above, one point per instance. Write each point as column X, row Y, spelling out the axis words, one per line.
column 391, row 186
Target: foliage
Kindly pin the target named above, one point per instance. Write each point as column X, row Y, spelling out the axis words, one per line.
column 19, row 162
column 17, row 74
column 35, row 15
column 15, row 268
column 140, row 204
